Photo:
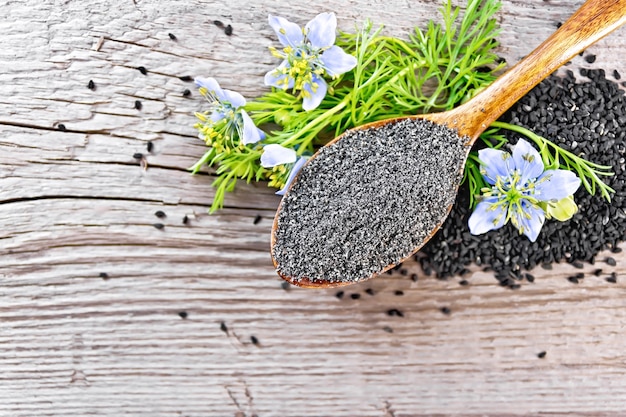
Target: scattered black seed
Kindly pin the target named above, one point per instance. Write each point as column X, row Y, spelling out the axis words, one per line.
column 339, row 294
column 388, row 329
column 546, row 266
column 158, row 225
column 616, row 75
column 541, row 354
column 186, row 78
column 573, row 279
column 369, row 291
column 257, row 219
column 138, row 105
column 616, row 250
column 91, row 85
column 610, row 261
column 414, row 277
column 143, row 70
column 228, row 30
column 580, row 275
column 138, row 155
column 515, row 286
column 61, row 127
column 613, row 278
column 149, row 146
column 223, row 327
column 464, row 282
column 218, row 23
column 404, row 272
column 355, row 296
column 590, row 58
column 285, row 285
column 160, row 214
column 104, row 275
column 183, row 314
column 597, row 272
column 172, row 36
column 395, row 312
column 529, row 277
column 398, row 292
column 445, row 310
column 186, row 92
column 254, row 340
column 185, row 219
column 578, row 264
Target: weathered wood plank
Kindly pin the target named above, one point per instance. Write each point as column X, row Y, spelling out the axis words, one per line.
column 76, row 204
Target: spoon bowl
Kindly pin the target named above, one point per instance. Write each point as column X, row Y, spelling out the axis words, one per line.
column 591, row 22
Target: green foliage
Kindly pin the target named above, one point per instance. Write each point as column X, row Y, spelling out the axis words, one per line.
column 435, row 69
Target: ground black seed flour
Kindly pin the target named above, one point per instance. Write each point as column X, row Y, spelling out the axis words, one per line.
column 367, row 201
column 587, row 117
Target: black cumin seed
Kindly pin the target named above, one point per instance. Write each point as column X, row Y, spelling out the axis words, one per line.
column 612, row 279
column 159, row 226
column 160, row 214
column 142, row 70
column 464, row 282
column 138, row 105
column 445, row 310
column 610, row 261
column 399, row 292
column 573, row 280
column 546, row 265
column 578, row 264
column 137, row 155
column 257, row 219
column 388, row 329
column 355, row 296
column 104, row 275
column 228, row 30
column 186, row 92
column 414, row 277
column 369, row 291
column 185, row 219
column 91, row 85
column 616, row 75
column 339, row 294
column 395, row 312
column 149, row 146
column 404, row 272
column 580, row 275
column 61, row 127
column 254, row 340
column 218, row 23
column 223, row 327
column 590, row 58
column 183, row 314
column 529, row 277
column 597, row 272
column 515, row 286
column 172, row 36
column 285, row 285
column 541, row 354
column 186, row 78
column 616, row 249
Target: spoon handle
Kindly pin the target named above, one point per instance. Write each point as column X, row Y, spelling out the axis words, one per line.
column 591, row 22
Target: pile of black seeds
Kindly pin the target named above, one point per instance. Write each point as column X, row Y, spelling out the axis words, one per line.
column 587, row 117
column 367, row 201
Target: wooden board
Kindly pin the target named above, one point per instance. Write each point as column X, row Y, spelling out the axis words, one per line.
column 92, row 295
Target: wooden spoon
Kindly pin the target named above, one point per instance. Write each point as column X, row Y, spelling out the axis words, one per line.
column 591, row 22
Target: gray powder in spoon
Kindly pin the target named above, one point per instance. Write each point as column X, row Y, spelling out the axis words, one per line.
column 368, row 201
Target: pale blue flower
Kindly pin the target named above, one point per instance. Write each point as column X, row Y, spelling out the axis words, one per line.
column 519, row 187
column 308, row 54
column 227, row 117
column 275, row 155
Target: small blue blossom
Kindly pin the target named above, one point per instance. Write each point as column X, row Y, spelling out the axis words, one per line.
column 520, row 188
column 277, row 157
column 308, row 55
column 227, row 119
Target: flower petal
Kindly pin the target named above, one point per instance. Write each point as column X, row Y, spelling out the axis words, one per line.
column 555, row 184
column 216, row 116
column 296, row 168
column 527, row 161
column 276, row 78
column 529, row 220
column 487, row 217
column 494, row 163
column 316, row 93
column 209, row 83
column 223, row 96
column 320, row 31
column 289, row 34
column 275, row 154
column 336, row 61
column 234, row 98
column 250, row 132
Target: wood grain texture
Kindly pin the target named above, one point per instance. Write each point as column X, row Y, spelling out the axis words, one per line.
column 76, row 204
